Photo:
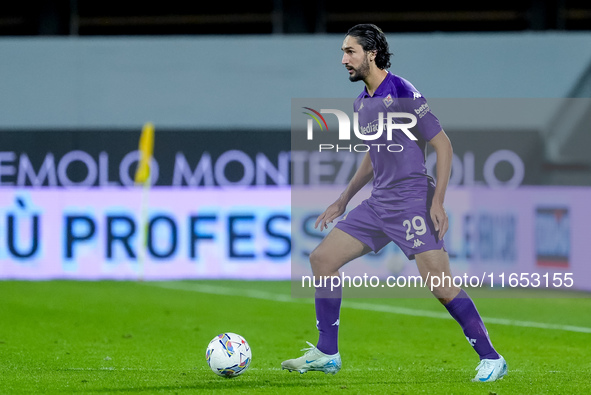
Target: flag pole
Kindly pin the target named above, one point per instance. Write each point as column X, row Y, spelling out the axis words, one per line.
column 143, row 178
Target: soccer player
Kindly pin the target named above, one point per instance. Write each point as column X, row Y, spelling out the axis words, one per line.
column 405, row 206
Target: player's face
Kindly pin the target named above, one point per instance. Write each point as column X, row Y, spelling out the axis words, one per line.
column 355, row 59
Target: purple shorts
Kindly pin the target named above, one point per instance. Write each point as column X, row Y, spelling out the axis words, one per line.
column 411, row 229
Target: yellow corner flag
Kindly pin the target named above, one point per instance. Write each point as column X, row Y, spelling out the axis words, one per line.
column 146, row 149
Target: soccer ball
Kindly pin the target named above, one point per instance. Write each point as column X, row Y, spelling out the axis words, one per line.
column 228, row 355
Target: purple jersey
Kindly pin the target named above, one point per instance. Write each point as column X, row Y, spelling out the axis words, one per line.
column 399, row 177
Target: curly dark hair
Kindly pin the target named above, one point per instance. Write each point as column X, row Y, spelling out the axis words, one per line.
column 372, row 38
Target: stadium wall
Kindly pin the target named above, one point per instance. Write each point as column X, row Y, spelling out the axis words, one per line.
column 226, row 82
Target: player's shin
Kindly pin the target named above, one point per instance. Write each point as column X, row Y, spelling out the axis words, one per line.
column 463, row 310
column 328, row 298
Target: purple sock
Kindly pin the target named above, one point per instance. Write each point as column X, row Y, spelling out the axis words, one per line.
column 463, row 310
column 328, row 308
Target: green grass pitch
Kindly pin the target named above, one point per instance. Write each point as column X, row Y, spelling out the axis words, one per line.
column 150, row 337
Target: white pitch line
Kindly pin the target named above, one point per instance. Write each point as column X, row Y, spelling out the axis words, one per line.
column 255, row 294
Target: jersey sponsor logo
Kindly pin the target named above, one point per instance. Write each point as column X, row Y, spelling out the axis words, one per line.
column 371, row 127
column 422, row 110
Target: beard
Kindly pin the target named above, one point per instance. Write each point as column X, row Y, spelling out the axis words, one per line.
column 361, row 72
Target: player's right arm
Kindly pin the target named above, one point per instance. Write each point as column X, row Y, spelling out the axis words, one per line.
column 362, row 176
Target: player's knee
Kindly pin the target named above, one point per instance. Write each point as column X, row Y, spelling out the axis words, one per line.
column 320, row 262
column 316, row 258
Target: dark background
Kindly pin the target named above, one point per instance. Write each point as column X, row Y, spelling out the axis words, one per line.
column 109, row 17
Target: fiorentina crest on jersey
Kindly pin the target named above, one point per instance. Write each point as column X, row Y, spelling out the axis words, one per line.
column 388, row 100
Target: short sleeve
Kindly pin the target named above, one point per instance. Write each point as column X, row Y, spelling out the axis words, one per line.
column 411, row 101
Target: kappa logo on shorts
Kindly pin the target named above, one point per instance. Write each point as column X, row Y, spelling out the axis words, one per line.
column 417, row 243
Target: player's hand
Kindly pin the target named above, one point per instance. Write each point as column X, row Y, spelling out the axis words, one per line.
column 439, row 218
column 333, row 211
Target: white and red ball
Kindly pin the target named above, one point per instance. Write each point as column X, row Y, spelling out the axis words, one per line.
column 228, row 355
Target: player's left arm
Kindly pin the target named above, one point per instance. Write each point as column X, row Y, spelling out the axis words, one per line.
column 444, row 152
